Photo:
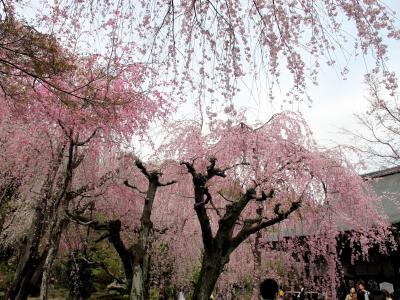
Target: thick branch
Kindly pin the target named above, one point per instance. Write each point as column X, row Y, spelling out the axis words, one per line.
column 202, row 197
column 126, row 182
column 153, row 176
column 205, row 201
column 213, row 171
column 142, row 168
column 113, row 229
column 232, row 214
column 189, row 167
column 250, row 228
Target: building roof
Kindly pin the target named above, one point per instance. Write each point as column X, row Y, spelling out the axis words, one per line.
column 386, row 184
column 382, row 173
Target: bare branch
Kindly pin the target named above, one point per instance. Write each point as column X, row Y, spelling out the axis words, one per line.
column 133, row 187
column 102, row 237
column 86, row 222
column 250, row 227
column 84, row 142
column 215, row 209
column 226, row 199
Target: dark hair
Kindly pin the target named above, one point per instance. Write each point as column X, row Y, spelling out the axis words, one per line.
column 377, row 295
column 269, row 288
column 360, row 282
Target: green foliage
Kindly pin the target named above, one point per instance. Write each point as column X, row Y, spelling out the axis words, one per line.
column 195, row 273
column 6, row 274
column 97, row 272
column 154, row 294
column 60, row 274
column 169, row 292
column 7, row 267
column 106, row 255
column 248, row 283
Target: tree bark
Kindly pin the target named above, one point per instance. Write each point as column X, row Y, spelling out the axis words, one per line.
column 54, row 242
column 7, row 193
column 211, row 268
column 58, row 219
column 141, row 266
column 137, row 290
column 29, row 259
column 218, row 248
column 257, row 260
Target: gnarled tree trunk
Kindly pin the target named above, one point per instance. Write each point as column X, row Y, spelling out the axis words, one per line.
column 211, row 268
column 29, row 269
column 140, row 261
column 31, row 260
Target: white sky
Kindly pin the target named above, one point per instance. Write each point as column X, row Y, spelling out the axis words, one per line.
column 335, row 101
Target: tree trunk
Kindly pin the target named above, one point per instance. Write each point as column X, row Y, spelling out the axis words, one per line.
column 211, row 268
column 29, row 259
column 137, row 290
column 257, row 267
column 28, row 279
column 139, row 285
column 54, row 242
column 140, row 253
column 20, row 287
column 146, row 276
column 257, row 260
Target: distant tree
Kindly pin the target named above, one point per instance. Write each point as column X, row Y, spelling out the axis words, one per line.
column 378, row 140
column 135, row 258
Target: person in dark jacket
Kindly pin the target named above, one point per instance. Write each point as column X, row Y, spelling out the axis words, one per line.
column 377, row 295
column 362, row 293
column 269, row 289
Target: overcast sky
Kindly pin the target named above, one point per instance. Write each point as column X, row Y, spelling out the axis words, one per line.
column 336, row 100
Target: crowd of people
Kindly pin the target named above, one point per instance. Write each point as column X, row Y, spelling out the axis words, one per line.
column 360, row 293
column 269, row 290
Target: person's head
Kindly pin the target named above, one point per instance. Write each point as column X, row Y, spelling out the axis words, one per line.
column 377, row 295
column 352, row 291
column 360, row 285
column 269, row 289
